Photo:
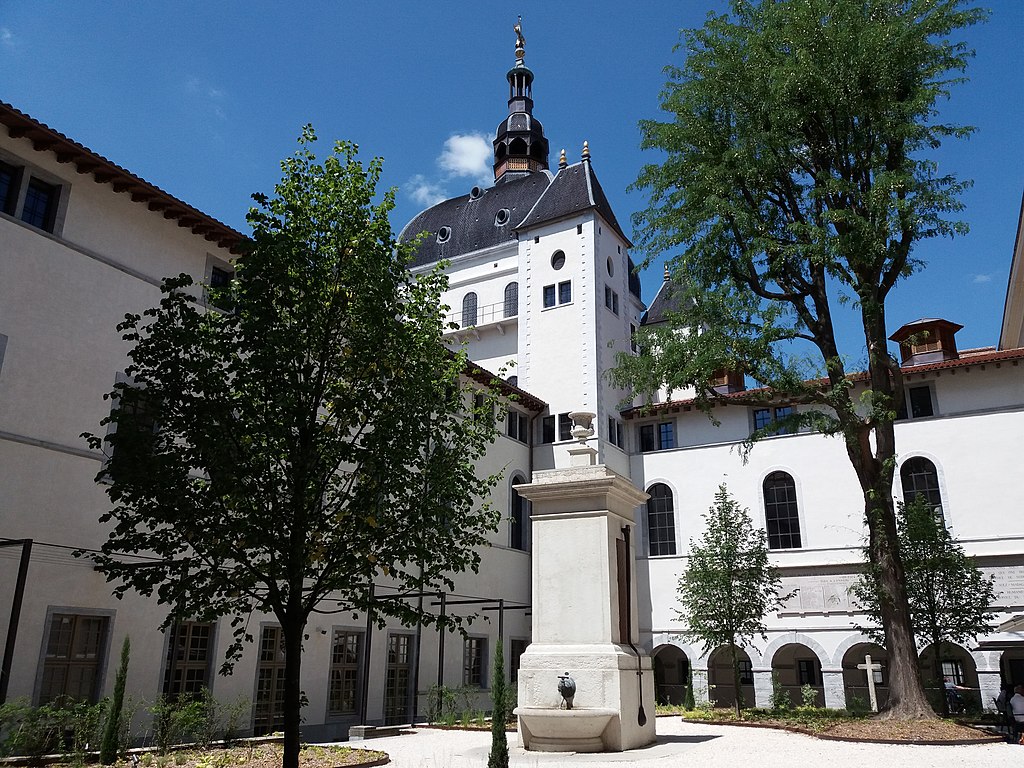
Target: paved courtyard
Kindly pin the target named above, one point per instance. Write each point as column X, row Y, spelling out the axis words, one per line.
column 685, row 744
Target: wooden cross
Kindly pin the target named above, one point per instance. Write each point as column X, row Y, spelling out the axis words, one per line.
column 870, row 668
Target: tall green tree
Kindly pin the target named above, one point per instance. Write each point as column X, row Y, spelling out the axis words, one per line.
column 498, row 756
column 950, row 598
column 302, row 436
column 795, row 183
column 729, row 585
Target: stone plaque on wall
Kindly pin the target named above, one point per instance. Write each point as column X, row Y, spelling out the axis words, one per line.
column 1009, row 585
column 819, row 594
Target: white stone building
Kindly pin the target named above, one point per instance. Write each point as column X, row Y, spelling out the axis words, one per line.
column 541, row 285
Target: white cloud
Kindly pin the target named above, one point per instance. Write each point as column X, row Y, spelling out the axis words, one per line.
column 466, row 155
column 424, row 191
column 983, row 278
column 7, row 38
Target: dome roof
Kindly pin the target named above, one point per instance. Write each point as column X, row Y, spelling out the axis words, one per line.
column 480, row 219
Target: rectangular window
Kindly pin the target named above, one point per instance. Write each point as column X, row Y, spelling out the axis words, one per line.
column 608, row 297
column 474, row 651
column 666, row 435
column 807, row 672
column 40, row 206
column 565, row 292
column 8, row 187
column 920, row 402
column 765, row 417
column 343, row 698
column 620, row 435
column 579, row 229
column 615, row 303
column 75, row 648
column 954, row 670
column 397, row 678
column 269, row 704
column 516, row 648
column 564, row 427
column 547, row 429
column 633, row 346
column 746, row 669
column 549, row 296
column 221, row 278
column 518, row 426
column 647, row 438
column 189, row 659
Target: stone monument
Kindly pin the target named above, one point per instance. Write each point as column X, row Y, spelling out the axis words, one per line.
column 584, row 611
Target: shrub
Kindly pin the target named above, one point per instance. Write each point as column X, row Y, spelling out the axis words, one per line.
column 780, row 700
column 809, row 695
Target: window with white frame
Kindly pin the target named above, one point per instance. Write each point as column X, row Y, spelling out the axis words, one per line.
column 469, row 310
column 661, row 521
column 920, row 479
column 76, row 646
column 657, row 437
column 781, row 513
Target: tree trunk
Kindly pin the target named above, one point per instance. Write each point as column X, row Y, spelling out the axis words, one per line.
column 875, row 469
column 736, row 679
column 292, row 629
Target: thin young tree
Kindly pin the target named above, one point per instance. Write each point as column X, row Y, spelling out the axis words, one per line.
column 795, row 185
column 950, row 597
column 303, row 434
column 729, row 584
column 498, row 756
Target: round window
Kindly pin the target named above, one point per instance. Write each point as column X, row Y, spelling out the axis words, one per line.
column 558, row 260
column 443, row 234
column 611, row 267
column 475, row 192
column 501, row 217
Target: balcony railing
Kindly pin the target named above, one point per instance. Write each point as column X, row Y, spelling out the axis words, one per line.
column 485, row 315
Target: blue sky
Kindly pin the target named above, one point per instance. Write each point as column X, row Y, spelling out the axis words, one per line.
column 204, row 98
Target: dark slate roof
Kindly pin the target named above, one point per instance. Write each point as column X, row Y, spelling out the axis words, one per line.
column 574, row 189
column 668, row 299
column 471, row 220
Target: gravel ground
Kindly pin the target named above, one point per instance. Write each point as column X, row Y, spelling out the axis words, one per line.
column 685, row 744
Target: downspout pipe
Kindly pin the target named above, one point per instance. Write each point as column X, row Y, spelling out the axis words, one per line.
column 641, row 716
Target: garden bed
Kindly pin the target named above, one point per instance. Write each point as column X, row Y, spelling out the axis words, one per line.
column 840, row 725
column 256, row 755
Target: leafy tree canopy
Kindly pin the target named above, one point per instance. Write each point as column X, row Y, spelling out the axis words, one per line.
column 796, row 179
column 729, row 585
column 302, row 434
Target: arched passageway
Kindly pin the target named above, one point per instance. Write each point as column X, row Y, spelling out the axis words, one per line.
column 671, row 673
column 721, row 688
column 955, row 663
column 855, row 681
column 795, row 665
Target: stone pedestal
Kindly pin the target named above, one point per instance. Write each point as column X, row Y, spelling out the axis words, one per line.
column 584, row 616
column 762, row 687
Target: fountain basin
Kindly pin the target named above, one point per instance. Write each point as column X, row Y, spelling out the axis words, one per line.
column 564, row 730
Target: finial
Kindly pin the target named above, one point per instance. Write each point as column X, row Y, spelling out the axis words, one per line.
column 586, row 152
column 562, row 162
column 666, row 272
column 520, row 41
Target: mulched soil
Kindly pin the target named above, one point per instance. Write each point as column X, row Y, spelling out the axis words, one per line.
column 265, row 756
column 932, row 731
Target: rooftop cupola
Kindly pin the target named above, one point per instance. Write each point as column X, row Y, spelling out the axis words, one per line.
column 519, row 144
column 929, row 340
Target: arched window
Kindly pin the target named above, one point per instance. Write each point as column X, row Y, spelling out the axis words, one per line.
column 661, row 521
column 781, row 515
column 920, row 478
column 519, row 518
column 511, row 299
column 469, row 310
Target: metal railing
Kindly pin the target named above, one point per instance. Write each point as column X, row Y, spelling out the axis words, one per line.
column 488, row 313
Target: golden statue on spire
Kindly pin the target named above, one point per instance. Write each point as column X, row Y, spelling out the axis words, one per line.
column 520, row 41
